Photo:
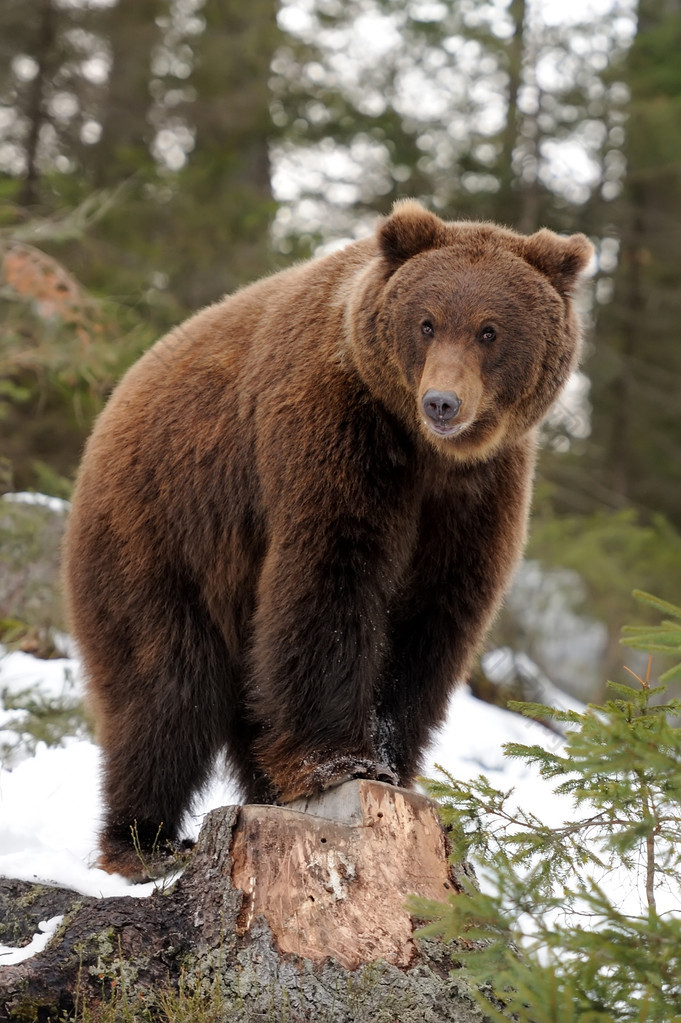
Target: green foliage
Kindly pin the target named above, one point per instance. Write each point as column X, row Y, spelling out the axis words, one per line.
column 30, row 597
column 152, row 197
column 61, row 348
column 38, row 717
column 664, row 638
column 547, row 941
column 612, row 552
column 31, row 618
column 633, row 455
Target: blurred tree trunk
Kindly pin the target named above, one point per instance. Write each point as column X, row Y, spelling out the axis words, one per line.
column 224, row 196
column 635, row 367
column 518, row 200
column 35, row 110
column 133, row 32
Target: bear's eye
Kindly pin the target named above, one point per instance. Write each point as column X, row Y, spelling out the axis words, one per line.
column 427, row 329
column 488, row 334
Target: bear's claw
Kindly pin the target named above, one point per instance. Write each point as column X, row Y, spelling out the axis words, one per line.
column 139, row 866
column 363, row 769
column 386, row 774
column 336, row 772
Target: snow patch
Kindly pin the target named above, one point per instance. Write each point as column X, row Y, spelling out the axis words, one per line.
column 55, row 504
column 46, row 928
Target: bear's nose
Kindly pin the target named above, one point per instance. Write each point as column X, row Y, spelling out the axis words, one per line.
column 441, row 406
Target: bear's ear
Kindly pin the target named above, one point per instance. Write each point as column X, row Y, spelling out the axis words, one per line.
column 562, row 260
column 409, row 229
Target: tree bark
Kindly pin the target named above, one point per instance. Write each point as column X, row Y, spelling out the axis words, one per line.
column 293, row 913
column 35, row 113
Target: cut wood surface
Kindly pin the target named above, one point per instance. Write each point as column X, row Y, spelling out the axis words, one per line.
column 331, row 875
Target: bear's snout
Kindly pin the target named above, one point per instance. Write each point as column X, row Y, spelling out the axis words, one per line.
column 441, row 406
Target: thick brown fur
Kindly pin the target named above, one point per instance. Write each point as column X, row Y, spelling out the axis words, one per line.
column 273, row 551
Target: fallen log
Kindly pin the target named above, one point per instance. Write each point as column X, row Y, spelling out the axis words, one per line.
column 283, row 913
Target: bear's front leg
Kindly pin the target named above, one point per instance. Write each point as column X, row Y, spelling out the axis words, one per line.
column 468, row 545
column 317, row 652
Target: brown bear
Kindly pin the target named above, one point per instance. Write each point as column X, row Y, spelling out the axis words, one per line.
column 300, row 510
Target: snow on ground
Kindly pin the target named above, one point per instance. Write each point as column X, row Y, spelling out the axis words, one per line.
column 46, row 928
column 50, row 802
column 21, row 673
column 57, row 504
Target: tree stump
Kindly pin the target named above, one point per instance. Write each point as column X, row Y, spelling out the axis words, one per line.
column 292, row 913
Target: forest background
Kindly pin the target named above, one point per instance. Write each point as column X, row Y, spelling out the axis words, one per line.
column 155, row 154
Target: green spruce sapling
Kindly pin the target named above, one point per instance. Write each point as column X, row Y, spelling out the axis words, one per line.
column 557, row 935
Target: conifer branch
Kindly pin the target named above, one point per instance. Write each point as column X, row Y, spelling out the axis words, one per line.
column 584, row 955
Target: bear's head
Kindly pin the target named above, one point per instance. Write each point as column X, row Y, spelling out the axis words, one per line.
column 467, row 330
